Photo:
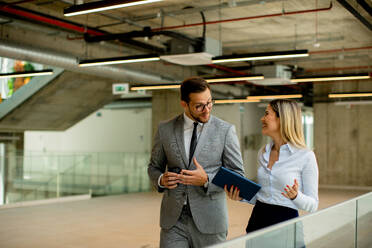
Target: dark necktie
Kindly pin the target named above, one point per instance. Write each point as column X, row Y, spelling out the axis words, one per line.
column 193, row 142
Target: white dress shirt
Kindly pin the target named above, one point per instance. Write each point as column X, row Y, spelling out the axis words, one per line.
column 188, row 127
column 293, row 163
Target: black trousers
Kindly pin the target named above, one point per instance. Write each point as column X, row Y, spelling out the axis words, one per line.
column 265, row 215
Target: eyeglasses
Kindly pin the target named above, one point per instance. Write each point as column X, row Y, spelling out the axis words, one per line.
column 201, row 107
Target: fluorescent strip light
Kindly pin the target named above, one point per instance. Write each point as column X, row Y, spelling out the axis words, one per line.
column 156, row 87
column 26, row 74
column 342, row 95
column 102, row 6
column 343, row 103
column 216, row 80
column 234, row 101
column 258, row 58
column 336, row 78
column 118, row 60
column 261, row 56
column 274, row 97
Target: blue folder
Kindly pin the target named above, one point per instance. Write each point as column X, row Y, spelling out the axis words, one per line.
column 227, row 177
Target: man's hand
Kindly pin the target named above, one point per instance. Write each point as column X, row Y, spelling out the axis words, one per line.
column 196, row 177
column 169, row 180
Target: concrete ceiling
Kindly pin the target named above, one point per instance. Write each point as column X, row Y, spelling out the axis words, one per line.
column 338, row 41
column 321, row 32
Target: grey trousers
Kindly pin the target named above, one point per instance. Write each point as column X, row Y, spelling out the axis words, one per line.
column 185, row 234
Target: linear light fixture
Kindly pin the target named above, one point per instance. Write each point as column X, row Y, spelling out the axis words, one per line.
column 274, row 97
column 235, row 101
column 332, row 78
column 344, row 95
column 348, row 103
column 260, row 56
column 27, row 74
column 232, row 79
column 119, row 60
column 156, row 87
column 97, row 6
column 210, row 80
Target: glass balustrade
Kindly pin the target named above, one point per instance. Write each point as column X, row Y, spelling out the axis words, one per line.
column 37, row 175
column 348, row 224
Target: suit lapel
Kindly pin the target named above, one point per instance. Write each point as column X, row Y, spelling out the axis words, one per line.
column 179, row 133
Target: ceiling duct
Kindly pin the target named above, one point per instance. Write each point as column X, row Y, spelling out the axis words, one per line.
column 184, row 53
column 69, row 62
column 274, row 75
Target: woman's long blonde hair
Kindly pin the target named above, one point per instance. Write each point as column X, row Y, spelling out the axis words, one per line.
column 289, row 113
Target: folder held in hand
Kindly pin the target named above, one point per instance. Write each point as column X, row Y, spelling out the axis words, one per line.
column 227, row 177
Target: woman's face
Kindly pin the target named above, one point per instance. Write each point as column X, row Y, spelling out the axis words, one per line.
column 270, row 123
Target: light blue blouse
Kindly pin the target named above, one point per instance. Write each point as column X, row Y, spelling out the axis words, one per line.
column 293, row 163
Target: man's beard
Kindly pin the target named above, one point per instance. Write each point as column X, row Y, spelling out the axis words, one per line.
column 198, row 119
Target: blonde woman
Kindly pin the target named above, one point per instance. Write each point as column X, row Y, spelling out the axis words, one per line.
column 288, row 171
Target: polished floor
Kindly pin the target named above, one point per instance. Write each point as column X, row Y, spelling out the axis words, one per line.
column 130, row 220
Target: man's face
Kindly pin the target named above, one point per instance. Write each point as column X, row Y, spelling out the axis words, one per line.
column 199, row 107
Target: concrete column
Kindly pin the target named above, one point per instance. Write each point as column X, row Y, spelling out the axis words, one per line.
column 246, row 118
column 343, row 137
column 165, row 105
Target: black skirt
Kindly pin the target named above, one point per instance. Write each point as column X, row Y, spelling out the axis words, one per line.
column 265, row 215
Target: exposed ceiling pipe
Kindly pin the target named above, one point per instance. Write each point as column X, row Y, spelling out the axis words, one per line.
column 355, row 13
column 69, row 62
column 365, row 6
column 71, row 26
column 49, row 20
column 245, row 18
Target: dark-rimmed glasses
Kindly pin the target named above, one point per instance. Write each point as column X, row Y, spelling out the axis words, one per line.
column 200, row 107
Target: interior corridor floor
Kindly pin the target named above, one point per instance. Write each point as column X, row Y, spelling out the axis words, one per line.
column 130, row 220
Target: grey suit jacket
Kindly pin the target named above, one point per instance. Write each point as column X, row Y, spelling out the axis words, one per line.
column 217, row 146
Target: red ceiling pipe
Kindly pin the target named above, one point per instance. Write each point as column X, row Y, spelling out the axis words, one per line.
column 224, row 68
column 246, row 18
column 341, row 50
column 49, row 20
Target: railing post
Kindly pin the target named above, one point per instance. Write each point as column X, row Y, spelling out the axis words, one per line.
column 294, row 235
column 58, row 178
column 356, row 224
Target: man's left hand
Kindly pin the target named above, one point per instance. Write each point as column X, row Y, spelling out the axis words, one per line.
column 196, row 177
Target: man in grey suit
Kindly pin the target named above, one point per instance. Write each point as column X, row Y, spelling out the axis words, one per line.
column 188, row 151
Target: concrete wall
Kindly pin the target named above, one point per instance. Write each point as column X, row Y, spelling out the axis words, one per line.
column 124, row 130
column 343, row 137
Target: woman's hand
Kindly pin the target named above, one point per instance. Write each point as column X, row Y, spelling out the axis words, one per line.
column 233, row 194
column 291, row 192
